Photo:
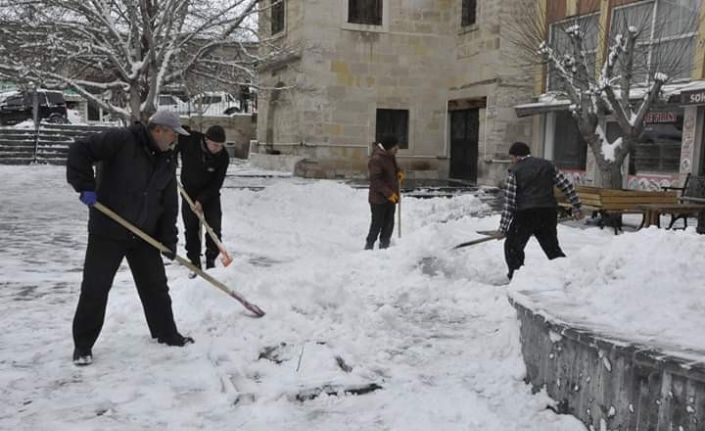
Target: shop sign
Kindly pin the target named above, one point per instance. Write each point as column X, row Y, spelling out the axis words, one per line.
column 660, row 117
column 695, row 97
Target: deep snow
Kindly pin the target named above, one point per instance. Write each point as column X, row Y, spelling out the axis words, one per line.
column 424, row 322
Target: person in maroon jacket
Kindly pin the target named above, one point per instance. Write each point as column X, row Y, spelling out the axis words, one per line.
column 384, row 191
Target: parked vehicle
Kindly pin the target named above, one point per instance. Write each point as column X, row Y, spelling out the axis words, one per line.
column 215, row 103
column 18, row 107
column 170, row 102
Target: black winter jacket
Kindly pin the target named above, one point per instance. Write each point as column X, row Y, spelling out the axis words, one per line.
column 134, row 179
column 535, row 180
column 202, row 173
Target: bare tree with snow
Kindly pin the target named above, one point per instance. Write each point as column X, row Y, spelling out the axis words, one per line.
column 121, row 54
column 648, row 45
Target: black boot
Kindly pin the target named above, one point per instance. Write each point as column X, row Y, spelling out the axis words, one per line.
column 175, row 340
column 210, row 263
column 369, row 246
column 197, row 264
column 82, row 357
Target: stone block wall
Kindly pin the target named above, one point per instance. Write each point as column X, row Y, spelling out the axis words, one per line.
column 418, row 60
column 611, row 384
column 239, row 129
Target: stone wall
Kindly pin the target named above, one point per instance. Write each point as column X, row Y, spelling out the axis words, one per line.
column 239, row 129
column 419, row 59
column 611, row 384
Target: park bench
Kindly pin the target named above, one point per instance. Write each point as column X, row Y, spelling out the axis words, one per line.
column 608, row 205
column 691, row 202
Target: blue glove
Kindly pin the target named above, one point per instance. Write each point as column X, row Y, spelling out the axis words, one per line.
column 88, row 197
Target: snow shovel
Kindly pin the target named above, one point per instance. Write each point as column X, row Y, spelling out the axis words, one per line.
column 478, row 241
column 225, row 257
column 185, row 262
column 495, row 234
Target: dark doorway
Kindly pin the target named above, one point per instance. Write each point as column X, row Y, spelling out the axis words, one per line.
column 464, row 136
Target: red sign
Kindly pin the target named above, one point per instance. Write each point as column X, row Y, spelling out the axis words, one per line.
column 660, row 117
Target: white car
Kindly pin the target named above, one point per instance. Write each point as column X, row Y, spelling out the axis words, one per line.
column 215, row 104
column 170, row 102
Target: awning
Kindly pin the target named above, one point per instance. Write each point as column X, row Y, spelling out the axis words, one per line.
column 528, row 109
column 684, row 93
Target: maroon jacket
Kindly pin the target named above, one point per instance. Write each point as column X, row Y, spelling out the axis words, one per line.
column 383, row 170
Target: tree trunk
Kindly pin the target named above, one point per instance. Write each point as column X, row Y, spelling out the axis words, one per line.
column 609, row 175
column 609, row 172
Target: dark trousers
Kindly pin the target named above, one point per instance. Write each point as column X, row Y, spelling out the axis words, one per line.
column 103, row 257
column 382, row 224
column 539, row 222
column 213, row 215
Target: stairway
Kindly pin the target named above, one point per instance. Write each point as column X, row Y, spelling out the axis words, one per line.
column 17, row 146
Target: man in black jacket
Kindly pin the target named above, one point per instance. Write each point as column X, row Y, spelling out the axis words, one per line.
column 136, row 177
column 530, row 209
column 203, row 168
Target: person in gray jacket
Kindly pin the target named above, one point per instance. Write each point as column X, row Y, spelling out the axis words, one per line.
column 530, row 209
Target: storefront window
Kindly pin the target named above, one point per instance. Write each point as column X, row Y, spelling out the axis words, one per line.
column 569, row 147
column 658, row 149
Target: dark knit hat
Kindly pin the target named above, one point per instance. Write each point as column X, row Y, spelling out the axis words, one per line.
column 216, row 134
column 519, row 149
column 389, row 142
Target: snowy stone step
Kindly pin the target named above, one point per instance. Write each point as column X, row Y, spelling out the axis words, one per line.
column 16, row 160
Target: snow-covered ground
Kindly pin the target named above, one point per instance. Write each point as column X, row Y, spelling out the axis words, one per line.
column 424, row 322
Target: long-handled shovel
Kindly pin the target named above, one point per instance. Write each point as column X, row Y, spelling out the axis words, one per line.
column 493, row 234
column 477, row 241
column 224, row 255
column 162, row 248
column 399, row 211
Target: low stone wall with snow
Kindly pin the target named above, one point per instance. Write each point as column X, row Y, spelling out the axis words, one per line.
column 611, row 384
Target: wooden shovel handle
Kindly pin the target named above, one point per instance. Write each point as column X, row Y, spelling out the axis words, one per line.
column 185, row 262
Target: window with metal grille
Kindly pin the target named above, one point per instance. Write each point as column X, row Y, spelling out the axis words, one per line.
column 469, row 12
column 666, row 38
column 365, row 12
column 393, row 122
column 278, row 14
column 561, row 43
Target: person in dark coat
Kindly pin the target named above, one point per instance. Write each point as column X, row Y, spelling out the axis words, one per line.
column 136, row 178
column 384, row 191
column 530, row 208
column 203, row 168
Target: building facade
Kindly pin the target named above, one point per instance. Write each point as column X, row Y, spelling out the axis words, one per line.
column 434, row 73
column 672, row 143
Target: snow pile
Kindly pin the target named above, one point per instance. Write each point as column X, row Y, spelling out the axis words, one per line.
column 645, row 286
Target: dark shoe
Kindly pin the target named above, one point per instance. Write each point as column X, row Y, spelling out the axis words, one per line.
column 210, row 263
column 510, row 274
column 82, row 357
column 383, row 246
column 175, row 340
column 369, row 246
column 192, row 275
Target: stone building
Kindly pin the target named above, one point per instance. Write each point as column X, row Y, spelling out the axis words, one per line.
column 438, row 74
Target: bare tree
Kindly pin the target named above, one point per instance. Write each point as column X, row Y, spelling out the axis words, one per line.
column 120, row 54
column 648, row 44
